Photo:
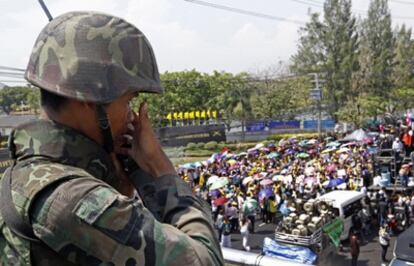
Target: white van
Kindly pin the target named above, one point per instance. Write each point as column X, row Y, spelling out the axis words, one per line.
column 345, row 204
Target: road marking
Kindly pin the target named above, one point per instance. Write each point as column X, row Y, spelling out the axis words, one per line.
column 260, row 225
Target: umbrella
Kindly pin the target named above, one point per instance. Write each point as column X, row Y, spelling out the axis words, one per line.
column 219, row 183
column 264, row 149
column 247, row 180
column 333, row 144
column 266, row 182
column 212, row 179
column 220, row 201
column 250, row 205
column 352, row 143
column 189, row 166
column 310, row 180
column 302, row 155
column 334, row 182
column 368, row 141
column 258, row 146
column 278, row 178
column 265, row 193
column 342, row 150
column 198, row 164
column 331, row 168
column 328, row 150
column 273, row 155
column 243, row 154
column 231, row 162
column 215, row 193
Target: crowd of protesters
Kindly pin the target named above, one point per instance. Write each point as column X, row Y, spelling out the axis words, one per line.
column 265, row 181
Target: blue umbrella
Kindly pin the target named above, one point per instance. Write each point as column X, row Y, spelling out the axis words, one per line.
column 335, row 182
column 265, row 193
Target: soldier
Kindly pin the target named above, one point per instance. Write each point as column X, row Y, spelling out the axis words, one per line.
column 68, row 199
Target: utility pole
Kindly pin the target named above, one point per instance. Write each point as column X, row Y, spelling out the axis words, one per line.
column 316, row 94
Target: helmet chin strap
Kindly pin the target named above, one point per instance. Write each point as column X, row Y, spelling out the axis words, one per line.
column 105, row 128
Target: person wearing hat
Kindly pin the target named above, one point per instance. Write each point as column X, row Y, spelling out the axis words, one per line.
column 90, row 183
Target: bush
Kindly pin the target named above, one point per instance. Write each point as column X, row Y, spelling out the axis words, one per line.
column 278, row 137
column 200, row 145
column 191, row 146
column 212, row 145
column 198, row 153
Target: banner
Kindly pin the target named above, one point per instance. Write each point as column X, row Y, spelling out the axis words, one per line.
column 334, row 230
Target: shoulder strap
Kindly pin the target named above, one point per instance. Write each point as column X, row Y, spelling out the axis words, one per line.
column 9, row 212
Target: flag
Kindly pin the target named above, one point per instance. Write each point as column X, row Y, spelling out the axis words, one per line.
column 175, row 115
column 169, row 116
column 208, row 114
column 180, row 115
column 191, row 115
column 185, row 115
column 197, row 114
column 334, row 230
column 203, row 114
column 214, row 114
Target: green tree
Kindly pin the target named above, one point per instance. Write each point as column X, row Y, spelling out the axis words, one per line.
column 378, row 49
column 341, row 44
column 16, row 98
column 330, row 47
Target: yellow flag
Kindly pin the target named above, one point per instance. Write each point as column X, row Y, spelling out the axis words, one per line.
column 208, row 114
column 191, row 115
column 214, row 113
column 186, row 115
column 203, row 114
column 169, row 117
column 180, row 115
column 175, row 115
column 197, row 114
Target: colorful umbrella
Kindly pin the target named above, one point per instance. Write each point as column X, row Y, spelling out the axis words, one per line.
column 219, row 183
column 247, row 180
column 331, row 168
column 220, row 201
column 212, row 179
column 189, row 166
column 266, row 182
column 335, row 182
column 265, row 193
column 273, row 155
column 333, row 144
column 231, row 162
column 250, row 205
column 215, row 193
column 302, row 155
column 328, row 150
column 278, row 178
column 352, row 143
column 343, row 150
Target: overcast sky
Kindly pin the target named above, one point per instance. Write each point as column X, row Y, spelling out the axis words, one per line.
column 183, row 35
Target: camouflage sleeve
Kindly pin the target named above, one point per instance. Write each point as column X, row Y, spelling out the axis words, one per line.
column 90, row 223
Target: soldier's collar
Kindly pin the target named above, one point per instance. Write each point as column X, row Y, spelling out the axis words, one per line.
column 59, row 143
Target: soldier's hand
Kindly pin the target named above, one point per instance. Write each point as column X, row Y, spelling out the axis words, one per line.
column 145, row 148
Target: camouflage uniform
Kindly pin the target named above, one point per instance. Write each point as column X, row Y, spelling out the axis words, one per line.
column 65, row 184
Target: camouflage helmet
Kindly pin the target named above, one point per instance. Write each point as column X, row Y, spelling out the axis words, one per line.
column 92, row 57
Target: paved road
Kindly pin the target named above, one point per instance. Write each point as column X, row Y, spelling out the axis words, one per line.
column 370, row 252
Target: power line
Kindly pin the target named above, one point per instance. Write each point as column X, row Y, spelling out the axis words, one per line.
column 307, row 3
column 244, row 12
